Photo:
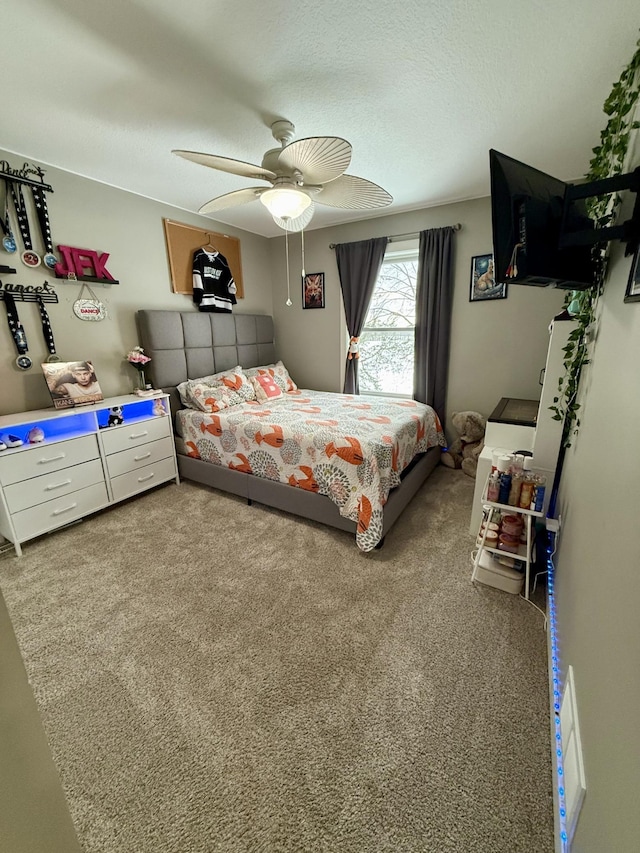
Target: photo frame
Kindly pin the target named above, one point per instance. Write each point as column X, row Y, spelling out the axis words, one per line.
column 632, row 293
column 483, row 285
column 313, row 290
column 72, row 383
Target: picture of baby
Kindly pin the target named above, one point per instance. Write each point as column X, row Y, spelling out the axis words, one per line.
column 72, row 383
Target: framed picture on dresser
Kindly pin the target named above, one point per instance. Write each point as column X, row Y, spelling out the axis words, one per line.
column 72, row 383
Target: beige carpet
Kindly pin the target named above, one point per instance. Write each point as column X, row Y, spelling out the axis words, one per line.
column 218, row 677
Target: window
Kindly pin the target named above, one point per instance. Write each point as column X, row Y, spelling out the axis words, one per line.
column 387, row 339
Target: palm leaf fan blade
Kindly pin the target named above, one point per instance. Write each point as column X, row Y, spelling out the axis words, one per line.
column 352, row 193
column 318, row 158
column 226, row 164
column 234, row 199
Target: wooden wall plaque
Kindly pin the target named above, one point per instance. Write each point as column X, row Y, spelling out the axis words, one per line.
column 183, row 240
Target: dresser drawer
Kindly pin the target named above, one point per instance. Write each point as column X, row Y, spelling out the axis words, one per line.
column 143, row 478
column 56, row 513
column 120, row 438
column 137, row 457
column 44, row 458
column 53, row 485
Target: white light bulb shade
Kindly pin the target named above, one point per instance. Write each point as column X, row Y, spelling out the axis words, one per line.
column 285, row 203
column 299, row 222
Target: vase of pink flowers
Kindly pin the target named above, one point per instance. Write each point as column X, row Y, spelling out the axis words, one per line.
column 139, row 360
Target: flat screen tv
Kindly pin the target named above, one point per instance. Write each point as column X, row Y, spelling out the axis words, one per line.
column 527, row 213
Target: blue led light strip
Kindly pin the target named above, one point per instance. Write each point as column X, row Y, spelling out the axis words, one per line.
column 555, row 680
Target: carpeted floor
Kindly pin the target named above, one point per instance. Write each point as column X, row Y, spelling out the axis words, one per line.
column 218, row 677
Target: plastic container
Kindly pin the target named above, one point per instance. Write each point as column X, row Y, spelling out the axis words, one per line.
column 508, row 543
column 538, row 494
column 491, row 573
column 512, row 524
column 491, row 540
column 516, row 486
column 526, row 493
column 503, row 463
column 505, row 488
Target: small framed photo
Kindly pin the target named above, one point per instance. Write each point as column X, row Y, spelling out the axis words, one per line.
column 313, row 290
column 72, row 383
column 632, row 293
column 483, row 285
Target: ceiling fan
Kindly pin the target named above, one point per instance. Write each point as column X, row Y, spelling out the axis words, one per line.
column 301, row 174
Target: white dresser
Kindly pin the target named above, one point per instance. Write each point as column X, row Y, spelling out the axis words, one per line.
column 83, row 464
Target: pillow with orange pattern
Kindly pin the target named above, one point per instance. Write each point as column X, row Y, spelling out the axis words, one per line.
column 278, row 372
column 218, row 391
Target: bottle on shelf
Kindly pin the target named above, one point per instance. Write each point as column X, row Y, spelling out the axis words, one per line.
column 493, row 489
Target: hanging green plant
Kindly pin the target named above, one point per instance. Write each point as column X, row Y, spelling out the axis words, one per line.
column 608, row 160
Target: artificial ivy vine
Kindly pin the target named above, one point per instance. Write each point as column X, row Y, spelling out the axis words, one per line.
column 608, row 160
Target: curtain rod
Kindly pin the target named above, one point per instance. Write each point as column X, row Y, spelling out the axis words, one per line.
column 414, row 235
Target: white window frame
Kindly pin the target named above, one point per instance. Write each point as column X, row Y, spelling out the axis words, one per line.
column 405, row 251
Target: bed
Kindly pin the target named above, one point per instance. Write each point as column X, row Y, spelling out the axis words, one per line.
column 295, row 452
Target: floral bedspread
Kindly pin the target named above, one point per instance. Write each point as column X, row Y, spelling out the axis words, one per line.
column 350, row 448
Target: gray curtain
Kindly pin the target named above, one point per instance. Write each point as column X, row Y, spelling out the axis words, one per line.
column 358, row 267
column 433, row 318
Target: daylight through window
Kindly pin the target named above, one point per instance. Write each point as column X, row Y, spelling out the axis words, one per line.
column 387, row 339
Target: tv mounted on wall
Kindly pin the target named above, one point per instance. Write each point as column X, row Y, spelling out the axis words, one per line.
column 527, row 217
column 542, row 234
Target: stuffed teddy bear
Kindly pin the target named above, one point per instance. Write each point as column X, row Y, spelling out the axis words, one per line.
column 463, row 452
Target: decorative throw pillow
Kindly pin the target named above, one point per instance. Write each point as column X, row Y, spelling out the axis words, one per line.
column 278, row 373
column 265, row 386
column 224, row 389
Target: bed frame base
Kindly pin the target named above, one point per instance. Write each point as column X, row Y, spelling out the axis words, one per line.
column 299, row 502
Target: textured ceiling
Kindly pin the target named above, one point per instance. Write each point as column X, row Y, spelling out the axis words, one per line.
column 421, row 89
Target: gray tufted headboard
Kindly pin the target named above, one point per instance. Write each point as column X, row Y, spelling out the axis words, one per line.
column 188, row 344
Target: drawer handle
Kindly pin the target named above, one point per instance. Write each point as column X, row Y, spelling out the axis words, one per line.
column 139, row 434
column 57, row 485
column 65, row 509
column 143, row 456
column 51, row 458
column 148, row 477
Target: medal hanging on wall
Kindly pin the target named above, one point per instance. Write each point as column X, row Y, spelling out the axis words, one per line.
column 29, row 257
column 47, row 331
column 17, row 332
column 42, row 212
column 8, row 241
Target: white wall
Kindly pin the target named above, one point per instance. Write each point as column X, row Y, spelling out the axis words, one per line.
column 91, row 215
column 497, row 348
column 598, row 570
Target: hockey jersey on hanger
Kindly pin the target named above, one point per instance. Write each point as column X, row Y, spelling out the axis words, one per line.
column 213, row 286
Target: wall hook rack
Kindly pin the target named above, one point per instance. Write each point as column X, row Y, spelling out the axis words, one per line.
column 22, row 176
column 29, row 293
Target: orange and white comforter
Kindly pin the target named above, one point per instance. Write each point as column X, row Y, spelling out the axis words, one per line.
column 350, row 448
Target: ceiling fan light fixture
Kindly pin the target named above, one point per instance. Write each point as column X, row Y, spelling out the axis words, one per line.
column 285, row 202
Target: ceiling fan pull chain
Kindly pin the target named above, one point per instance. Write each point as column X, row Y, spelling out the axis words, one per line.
column 289, row 303
column 302, row 238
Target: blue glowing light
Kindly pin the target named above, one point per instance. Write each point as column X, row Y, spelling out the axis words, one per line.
column 556, row 691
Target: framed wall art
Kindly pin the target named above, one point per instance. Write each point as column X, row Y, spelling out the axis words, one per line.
column 313, row 290
column 483, row 285
column 632, row 293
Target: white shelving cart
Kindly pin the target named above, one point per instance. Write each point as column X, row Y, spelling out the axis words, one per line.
column 524, row 550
